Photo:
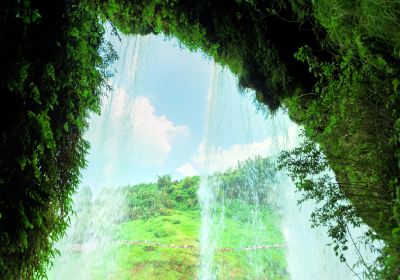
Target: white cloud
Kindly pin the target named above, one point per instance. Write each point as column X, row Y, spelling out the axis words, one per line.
column 129, row 130
column 154, row 134
column 187, row 170
column 211, row 159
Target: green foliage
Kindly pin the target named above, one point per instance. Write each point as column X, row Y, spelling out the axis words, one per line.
column 184, row 192
column 51, row 78
column 350, row 115
column 239, row 35
column 252, row 181
column 374, row 22
column 342, row 86
column 309, row 170
column 164, row 182
column 169, row 216
column 150, row 200
column 146, row 200
column 179, row 226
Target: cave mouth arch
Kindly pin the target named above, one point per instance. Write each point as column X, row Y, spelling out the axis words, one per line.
column 259, row 48
column 282, row 52
column 52, row 75
column 231, row 112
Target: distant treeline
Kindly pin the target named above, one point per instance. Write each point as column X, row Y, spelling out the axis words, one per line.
column 252, row 182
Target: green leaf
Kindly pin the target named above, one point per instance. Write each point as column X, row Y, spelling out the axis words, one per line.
column 395, row 84
column 36, row 15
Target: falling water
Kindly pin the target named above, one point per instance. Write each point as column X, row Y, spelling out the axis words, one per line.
column 207, row 200
column 89, row 250
column 308, row 254
column 234, row 131
column 111, row 134
column 234, row 125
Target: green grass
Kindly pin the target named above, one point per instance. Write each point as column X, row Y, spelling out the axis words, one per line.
column 182, row 228
column 152, row 262
column 157, row 237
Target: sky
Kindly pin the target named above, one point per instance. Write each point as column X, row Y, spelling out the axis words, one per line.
column 172, row 111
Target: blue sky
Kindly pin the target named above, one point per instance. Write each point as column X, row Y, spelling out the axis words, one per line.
column 176, row 81
column 170, row 112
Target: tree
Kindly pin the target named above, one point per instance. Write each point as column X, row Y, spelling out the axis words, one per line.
column 164, row 182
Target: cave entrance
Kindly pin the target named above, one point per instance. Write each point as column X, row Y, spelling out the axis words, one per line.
column 181, row 178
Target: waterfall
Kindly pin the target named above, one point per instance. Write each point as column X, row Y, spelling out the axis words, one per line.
column 235, row 131
column 89, row 249
column 207, row 199
column 111, row 134
column 308, row 255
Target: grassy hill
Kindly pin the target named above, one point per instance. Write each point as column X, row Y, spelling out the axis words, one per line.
column 182, row 228
column 158, row 235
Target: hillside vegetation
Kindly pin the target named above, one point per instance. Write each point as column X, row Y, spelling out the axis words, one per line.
column 158, row 234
